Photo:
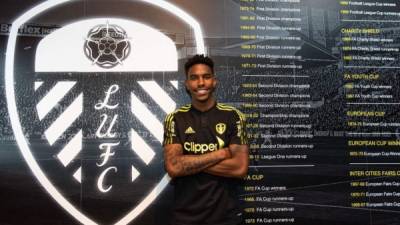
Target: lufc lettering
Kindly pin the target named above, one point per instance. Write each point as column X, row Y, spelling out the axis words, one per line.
column 106, row 147
column 200, row 148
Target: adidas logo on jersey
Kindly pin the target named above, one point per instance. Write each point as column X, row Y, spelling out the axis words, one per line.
column 189, row 130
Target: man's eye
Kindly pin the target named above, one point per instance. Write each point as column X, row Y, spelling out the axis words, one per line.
column 208, row 76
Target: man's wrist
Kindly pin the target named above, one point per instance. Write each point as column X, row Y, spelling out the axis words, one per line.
column 226, row 153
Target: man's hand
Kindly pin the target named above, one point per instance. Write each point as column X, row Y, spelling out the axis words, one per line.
column 178, row 164
column 235, row 166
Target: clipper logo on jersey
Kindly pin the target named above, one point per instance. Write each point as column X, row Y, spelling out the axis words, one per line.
column 200, row 148
column 203, row 148
column 107, row 45
column 69, row 113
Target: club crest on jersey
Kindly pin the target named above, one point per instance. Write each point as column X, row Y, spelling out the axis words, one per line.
column 220, row 128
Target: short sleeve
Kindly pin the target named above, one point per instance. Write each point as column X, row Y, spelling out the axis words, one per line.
column 170, row 132
column 238, row 124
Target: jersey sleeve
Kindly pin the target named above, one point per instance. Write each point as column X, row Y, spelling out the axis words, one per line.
column 170, row 130
column 239, row 134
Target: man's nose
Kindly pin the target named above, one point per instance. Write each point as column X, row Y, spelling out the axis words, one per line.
column 200, row 82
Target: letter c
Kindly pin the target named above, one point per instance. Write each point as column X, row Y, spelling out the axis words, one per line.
column 186, row 146
column 101, row 178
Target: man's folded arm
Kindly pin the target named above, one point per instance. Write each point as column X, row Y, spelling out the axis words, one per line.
column 177, row 164
column 236, row 166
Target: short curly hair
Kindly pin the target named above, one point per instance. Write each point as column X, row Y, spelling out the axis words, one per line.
column 199, row 59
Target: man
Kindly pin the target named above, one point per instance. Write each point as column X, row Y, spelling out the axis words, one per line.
column 205, row 151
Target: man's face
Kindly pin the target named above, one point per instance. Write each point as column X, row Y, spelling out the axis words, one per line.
column 200, row 82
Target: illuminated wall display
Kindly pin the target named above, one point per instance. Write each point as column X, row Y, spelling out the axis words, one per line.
column 98, row 45
column 85, row 86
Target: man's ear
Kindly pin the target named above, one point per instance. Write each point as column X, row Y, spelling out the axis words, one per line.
column 187, row 89
column 186, row 84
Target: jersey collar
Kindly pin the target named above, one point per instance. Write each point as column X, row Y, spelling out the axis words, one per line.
column 200, row 112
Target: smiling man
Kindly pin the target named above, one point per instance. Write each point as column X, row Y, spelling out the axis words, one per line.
column 205, row 151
